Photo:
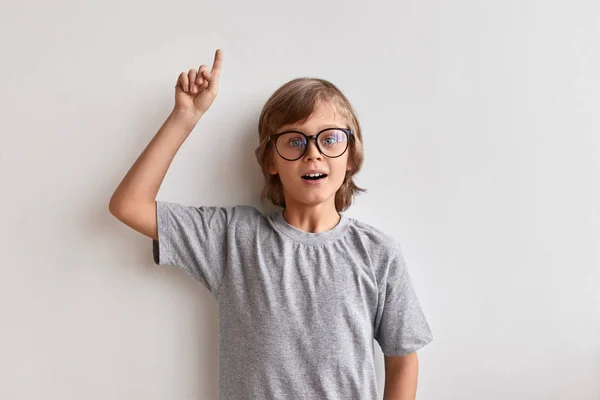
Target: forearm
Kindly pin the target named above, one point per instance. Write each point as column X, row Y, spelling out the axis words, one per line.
column 401, row 376
column 142, row 182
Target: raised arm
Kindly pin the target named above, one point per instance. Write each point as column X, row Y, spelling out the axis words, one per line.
column 134, row 200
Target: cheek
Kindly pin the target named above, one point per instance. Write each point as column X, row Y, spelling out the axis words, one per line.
column 286, row 173
column 340, row 167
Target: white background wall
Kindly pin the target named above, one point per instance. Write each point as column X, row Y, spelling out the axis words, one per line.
column 482, row 158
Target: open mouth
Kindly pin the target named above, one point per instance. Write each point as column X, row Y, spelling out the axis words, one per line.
column 314, row 177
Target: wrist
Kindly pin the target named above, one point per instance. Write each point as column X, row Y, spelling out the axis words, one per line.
column 187, row 117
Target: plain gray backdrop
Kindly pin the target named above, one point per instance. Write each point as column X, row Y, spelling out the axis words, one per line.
column 480, row 123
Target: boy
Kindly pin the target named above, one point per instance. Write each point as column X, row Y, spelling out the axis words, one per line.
column 302, row 292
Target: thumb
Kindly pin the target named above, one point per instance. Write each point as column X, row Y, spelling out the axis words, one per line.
column 212, row 80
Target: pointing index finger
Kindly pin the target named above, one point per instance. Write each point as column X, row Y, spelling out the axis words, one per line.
column 216, row 68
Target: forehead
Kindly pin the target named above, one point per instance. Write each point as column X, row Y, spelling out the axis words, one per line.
column 323, row 116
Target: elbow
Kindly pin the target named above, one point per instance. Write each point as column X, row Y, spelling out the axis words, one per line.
column 115, row 207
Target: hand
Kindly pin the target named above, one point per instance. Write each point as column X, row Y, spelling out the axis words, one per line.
column 196, row 90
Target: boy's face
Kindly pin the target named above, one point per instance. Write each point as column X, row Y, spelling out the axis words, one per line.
column 301, row 191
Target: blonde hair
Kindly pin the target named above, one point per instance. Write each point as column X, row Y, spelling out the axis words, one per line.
column 294, row 102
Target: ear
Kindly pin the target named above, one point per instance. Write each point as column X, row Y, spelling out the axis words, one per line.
column 271, row 168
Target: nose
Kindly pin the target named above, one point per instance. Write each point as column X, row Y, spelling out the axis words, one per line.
column 312, row 152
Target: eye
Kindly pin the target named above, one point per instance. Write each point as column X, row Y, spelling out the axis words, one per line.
column 330, row 140
column 295, row 142
column 332, row 137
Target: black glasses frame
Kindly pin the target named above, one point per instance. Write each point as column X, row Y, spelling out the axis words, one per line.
column 273, row 138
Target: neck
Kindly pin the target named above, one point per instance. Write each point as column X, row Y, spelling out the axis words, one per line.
column 314, row 219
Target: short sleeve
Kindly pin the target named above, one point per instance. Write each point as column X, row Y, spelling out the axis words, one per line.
column 193, row 239
column 400, row 325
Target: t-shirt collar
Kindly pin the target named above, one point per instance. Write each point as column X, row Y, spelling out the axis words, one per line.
column 308, row 237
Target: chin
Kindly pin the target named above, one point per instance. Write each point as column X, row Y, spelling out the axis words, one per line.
column 315, row 199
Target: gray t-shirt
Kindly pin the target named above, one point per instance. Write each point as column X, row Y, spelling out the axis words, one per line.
column 298, row 311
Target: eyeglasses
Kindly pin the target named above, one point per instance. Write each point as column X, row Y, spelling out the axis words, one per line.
column 292, row 145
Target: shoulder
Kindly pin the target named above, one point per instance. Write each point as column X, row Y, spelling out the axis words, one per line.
column 378, row 246
column 373, row 238
column 246, row 220
column 225, row 215
column 246, row 209
column 245, row 213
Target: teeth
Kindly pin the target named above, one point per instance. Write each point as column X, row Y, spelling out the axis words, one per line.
column 315, row 175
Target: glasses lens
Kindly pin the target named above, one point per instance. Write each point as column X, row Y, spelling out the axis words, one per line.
column 332, row 142
column 291, row 145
